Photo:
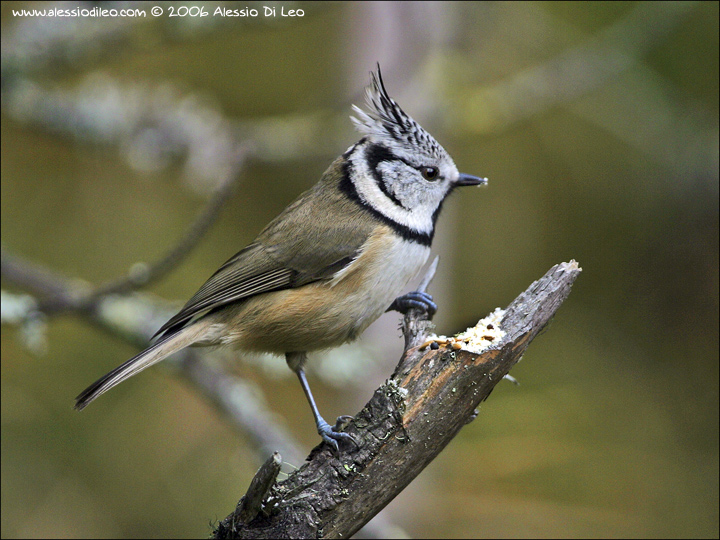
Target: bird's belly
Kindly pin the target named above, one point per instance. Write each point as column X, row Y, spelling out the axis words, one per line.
column 328, row 313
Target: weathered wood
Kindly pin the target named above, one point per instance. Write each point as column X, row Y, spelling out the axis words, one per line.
column 251, row 504
column 431, row 395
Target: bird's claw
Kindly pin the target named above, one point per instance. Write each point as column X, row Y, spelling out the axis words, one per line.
column 414, row 300
column 332, row 435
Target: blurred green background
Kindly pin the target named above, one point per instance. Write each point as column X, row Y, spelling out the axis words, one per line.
column 597, row 125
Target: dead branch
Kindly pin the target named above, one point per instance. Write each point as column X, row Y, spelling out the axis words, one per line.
column 405, row 425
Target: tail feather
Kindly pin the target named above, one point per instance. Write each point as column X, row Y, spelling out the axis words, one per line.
column 152, row 355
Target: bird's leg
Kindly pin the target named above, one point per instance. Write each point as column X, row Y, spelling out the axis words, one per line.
column 414, row 300
column 329, row 434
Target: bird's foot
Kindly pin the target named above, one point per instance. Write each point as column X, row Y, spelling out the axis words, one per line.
column 414, row 300
column 332, row 434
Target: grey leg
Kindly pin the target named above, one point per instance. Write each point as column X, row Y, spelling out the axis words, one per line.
column 329, row 434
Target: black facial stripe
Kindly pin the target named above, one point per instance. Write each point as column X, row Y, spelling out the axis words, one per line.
column 411, row 235
column 387, row 155
column 376, row 153
column 384, row 154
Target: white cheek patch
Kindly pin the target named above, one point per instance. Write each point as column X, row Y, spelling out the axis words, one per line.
column 416, row 210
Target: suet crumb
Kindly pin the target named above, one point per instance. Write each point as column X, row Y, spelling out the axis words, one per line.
column 483, row 335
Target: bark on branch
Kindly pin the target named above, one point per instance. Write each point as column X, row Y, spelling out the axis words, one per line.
column 432, row 394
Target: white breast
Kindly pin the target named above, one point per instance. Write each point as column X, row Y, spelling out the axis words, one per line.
column 380, row 273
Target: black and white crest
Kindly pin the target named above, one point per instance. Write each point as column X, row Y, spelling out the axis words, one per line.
column 386, row 122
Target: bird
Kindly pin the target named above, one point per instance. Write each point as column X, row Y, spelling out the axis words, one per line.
column 328, row 265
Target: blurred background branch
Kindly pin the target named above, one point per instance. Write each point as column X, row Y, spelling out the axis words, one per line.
column 240, row 401
column 679, row 133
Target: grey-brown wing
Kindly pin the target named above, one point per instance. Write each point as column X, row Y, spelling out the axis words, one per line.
column 250, row 272
column 245, row 274
column 311, row 240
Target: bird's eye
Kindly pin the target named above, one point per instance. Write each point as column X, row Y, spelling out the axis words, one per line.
column 429, row 173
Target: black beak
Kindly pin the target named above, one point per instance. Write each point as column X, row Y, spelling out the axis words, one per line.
column 467, row 180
